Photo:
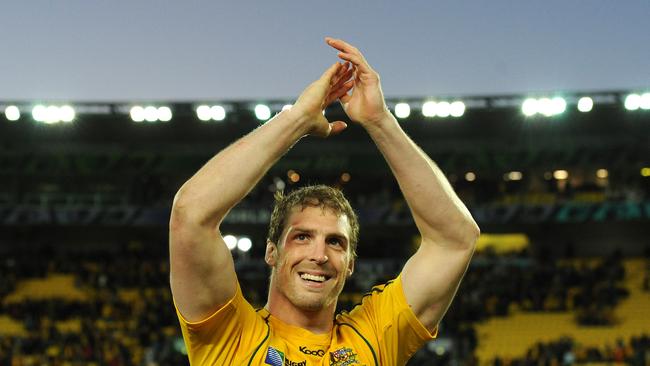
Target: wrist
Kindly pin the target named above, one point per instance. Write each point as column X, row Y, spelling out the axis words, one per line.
column 300, row 121
column 383, row 121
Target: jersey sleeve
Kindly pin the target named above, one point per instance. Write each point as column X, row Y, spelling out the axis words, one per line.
column 385, row 312
column 218, row 339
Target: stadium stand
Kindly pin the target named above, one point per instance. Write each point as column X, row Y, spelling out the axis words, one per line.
column 84, row 211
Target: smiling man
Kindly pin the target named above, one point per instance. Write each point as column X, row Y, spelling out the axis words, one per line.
column 311, row 244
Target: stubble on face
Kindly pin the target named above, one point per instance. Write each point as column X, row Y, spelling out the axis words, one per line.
column 292, row 259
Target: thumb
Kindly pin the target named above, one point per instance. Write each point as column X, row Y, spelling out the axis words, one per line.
column 330, row 72
column 337, row 127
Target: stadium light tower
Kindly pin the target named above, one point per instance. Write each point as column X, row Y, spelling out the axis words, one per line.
column 443, row 109
column 164, row 114
column 12, row 113
column 137, row 113
column 530, row 107
column 244, row 244
column 402, row 110
column 644, row 102
column 231, row 241
column 203, row 113
column 457, row 109
column 558, row 106
column 429, row 109
column 585, row 104
column 262, row 112
column 67, row 113
column 632, row 102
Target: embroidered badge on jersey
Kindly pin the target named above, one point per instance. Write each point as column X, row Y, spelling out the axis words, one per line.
column 274, row 357
column 343, row 357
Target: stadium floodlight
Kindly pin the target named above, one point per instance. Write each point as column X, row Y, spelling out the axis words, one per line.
column 38, row 113
column 52, row 115
column 67, row 113
column 286, row 107
column 203, row 113
column 244, row 244
column 164, row 114
column 560, row 174
column 545, row 106
column 429, row 109
column 231, row 241
column 530, row 107
column 150, row 114
column 137, row 113
column 585, row 104
column 217, row 113
column 632, row 102
column 12, row 113
column 402, row 110
column 470, row 176
column 558, row 106
column 443, row 109
column 644, row 103
column 457, row 109
column 262, row 112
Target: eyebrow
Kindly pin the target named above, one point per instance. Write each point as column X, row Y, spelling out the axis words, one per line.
column 302, row 230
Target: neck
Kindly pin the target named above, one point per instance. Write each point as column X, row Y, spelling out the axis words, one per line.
column 317, row 321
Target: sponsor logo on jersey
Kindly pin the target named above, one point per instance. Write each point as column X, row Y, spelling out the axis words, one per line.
column 275, row 357
column 343, row 357
column 318, row 352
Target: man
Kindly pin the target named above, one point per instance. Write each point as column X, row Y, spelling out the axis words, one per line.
column 311, row 244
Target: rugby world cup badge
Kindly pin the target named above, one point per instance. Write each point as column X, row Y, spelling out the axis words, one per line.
column 274, row 357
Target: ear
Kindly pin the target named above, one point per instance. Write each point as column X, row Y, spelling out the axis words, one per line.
column 350, row 268
column 271, row 254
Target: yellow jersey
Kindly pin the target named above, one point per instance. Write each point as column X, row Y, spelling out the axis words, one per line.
column 382, row 330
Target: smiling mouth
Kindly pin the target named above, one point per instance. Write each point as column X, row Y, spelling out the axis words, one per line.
column 313, row 278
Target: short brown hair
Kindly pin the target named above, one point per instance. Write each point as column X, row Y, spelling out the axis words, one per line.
column 315, row 196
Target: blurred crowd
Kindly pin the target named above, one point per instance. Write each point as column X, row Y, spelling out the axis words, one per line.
column 110, row 328
column 129, row 318
column 567, row 352
column 496, row 283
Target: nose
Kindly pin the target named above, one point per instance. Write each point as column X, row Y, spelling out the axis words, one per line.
column 319, row 252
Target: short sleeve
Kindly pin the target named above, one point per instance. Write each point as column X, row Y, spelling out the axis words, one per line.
column 385, row 312
column 216, row 339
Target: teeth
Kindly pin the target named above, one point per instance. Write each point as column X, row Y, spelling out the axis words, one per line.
column 307, row 276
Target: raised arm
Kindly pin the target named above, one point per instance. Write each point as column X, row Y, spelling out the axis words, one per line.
column 202, row 269
column 432, row 275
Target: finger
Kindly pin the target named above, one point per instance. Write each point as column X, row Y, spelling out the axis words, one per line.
column 357, row 60
column 341, row 45
column 343, row 78
column 340, row 92
column 337, row 75
column 345, row 98
column 343, row 70
column 337, row 127
column 330, row 72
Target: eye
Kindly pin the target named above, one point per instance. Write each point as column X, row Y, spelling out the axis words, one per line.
column 301, row 237
column 335, row 241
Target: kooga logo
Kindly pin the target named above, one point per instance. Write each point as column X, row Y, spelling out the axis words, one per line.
column 319, row 353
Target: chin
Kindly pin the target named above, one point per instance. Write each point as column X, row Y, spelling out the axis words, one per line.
column 310, row 304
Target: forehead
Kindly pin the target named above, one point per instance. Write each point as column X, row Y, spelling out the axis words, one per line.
column 317, row 217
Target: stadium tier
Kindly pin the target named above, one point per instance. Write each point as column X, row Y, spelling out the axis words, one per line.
column 86, row 193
